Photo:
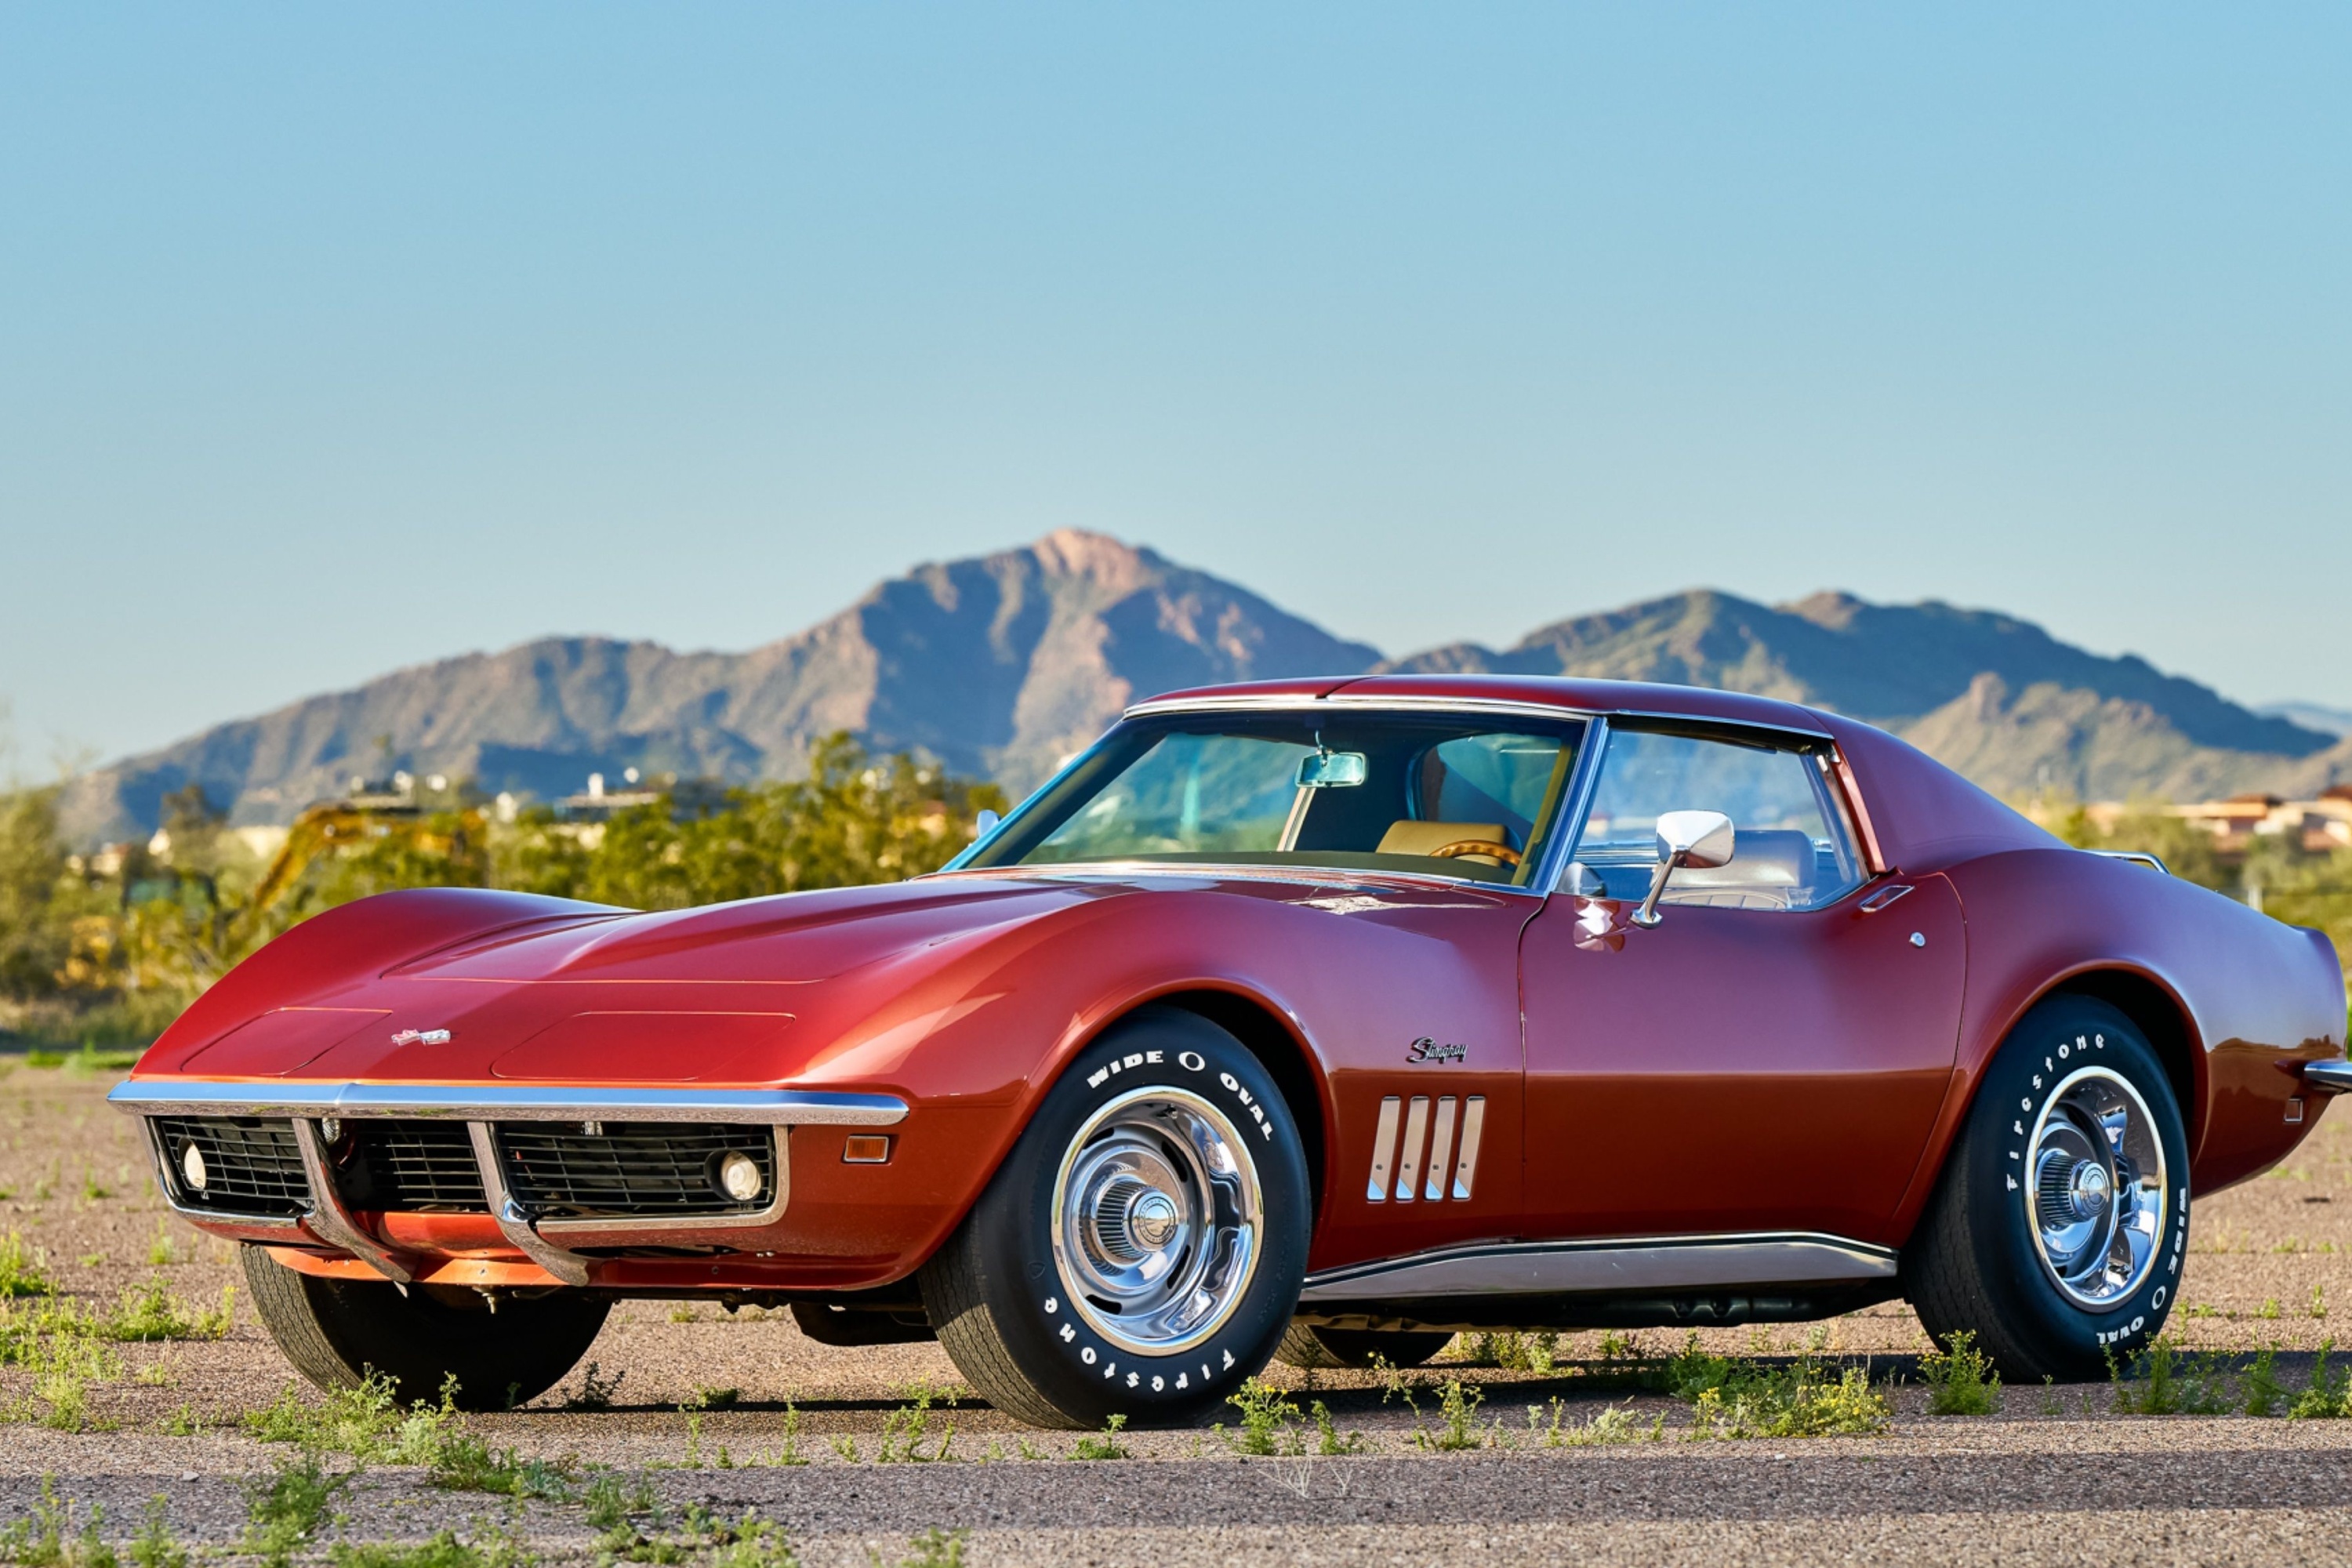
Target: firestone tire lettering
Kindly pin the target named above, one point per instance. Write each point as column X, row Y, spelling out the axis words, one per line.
column 1047, row 1364
column 1973, row 1263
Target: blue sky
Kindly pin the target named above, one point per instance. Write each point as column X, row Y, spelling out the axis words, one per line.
column 335, row 338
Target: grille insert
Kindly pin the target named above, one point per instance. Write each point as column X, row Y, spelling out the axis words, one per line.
column 420, row 1167
column 251, row 1164
column 631, row 1169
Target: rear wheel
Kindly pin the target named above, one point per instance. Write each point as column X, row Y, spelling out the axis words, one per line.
column 2057, row 1233
column 338, row 1332
column 1307, row 1346
column 1140, row 1250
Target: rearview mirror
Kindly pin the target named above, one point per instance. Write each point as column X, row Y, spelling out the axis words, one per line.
column 1332, row 770
column 1701, row 838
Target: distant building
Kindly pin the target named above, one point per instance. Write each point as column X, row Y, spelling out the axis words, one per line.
column 2319, row 825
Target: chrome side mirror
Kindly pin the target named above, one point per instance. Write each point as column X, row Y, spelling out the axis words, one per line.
column 1701, row 838
column 1582, row 881
column 983, row 823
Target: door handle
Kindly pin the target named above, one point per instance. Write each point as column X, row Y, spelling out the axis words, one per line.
column 1884, row 896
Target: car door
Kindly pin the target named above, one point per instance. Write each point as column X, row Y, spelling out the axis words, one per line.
column 1772, row 1053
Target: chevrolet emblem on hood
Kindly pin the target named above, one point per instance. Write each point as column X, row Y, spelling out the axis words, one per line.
column 421, row 1037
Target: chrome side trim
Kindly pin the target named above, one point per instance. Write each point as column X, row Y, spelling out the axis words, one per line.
column 2327, row 1077
column 1384, row 1142
column 498, row 1102
column 1441, row 1149
column 1650, row 1263
column 2136, row 857
column 1416, row 1136
column 1465, row 1168
column 330, row 1221
column 513, row 1224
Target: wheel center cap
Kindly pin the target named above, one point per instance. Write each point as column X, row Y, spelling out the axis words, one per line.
column 2090, row 1188
column 1151, row 1219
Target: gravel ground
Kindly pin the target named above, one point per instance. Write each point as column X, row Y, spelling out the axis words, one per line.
column 2056, row 1475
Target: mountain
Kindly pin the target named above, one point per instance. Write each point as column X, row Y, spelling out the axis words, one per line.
column 1998, row 697
column 1002, row 665
column 2311, row 716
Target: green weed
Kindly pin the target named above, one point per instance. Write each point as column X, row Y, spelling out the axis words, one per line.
column 151, row 1313
column 1960, row 1380
column 462, row 1462
column 933, row 1549
column 1105, row 1445
column 47, row 1537
column 1612, row 1425
column 366, row 1423
column 285, row 1508
column 155, row 1546
column 2323, row 1397
column 1327, row 1440
column 1267, row 1417
column 1457, row 1410
column 1744, row 1398
column 904, row 1429
column 488, row 1549
column 609, row 1502
column 23, row 1270
column 1537, row 1352
column 2264, row 1392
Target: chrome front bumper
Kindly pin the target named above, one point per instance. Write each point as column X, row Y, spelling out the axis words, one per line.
column 330, row 1220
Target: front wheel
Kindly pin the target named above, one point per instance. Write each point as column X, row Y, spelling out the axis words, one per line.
column 1139, row 1252
column 337, row 1333
column 2058, row 1231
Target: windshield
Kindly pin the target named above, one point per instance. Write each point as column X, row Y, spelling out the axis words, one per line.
column 1450, row 794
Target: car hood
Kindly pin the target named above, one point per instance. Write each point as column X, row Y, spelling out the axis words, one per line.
column 832, row 986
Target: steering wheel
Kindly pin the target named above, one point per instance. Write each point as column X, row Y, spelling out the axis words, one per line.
column 1502, row 852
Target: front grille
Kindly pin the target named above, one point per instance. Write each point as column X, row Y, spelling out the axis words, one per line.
column 651, row 1169
column 420, row 1167
column 251, row 1165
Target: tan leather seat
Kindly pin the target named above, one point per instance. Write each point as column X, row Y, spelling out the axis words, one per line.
column 1767, row 868
column 1417, row 838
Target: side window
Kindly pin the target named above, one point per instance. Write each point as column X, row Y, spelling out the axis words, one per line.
column 1792, row 850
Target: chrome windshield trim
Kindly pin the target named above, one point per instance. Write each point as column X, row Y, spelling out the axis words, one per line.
column 1568, row 824
column 1299, row 702
column 1643, row 1263
column 1320, row 875
column 501, row 1102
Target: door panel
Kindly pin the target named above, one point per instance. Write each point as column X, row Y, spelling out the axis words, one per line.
column 1736, row 1069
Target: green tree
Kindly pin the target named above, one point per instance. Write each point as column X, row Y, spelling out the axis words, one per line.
column 36, row 929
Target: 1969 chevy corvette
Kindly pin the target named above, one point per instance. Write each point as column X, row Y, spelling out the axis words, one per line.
column 1314, row 1019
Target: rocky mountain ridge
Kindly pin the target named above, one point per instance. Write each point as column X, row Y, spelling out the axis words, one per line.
column 1001, row 664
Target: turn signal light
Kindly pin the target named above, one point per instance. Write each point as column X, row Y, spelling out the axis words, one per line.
column 866, row 1149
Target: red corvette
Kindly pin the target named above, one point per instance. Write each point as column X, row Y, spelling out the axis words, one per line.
column 1314, row 1018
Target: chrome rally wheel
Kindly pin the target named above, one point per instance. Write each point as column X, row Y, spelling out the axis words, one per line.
column 2096, row 1200
column 2059, row 1225
column 1158, row 1215
column 1139, row 1252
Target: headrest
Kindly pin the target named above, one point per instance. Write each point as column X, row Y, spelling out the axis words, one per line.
column 1761, row 858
